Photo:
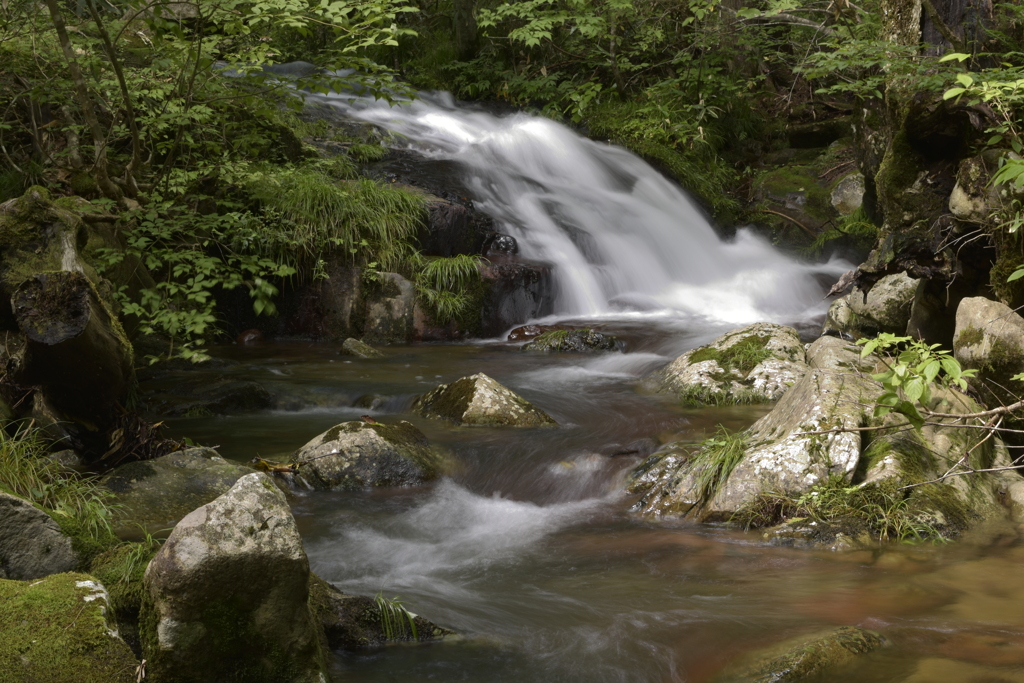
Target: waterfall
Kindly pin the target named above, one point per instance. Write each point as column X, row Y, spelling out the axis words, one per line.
column 621, row 239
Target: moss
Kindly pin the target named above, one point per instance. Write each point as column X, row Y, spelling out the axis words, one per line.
column 790, row 180
column 741, row 357
column 811, row 659
column 52, row 635
column 449, row 401
column 122, row 570
column 87, row 540
column 970, row 336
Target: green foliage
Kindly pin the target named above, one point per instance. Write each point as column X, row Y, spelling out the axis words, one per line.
column 712, row 464
column 397, row 622
column 742, row 357
column 122, row 570
column 78, row 504
column 445, row 285
column 881, row 510
column 911, row 373
column 856, row 231
column 367, row 153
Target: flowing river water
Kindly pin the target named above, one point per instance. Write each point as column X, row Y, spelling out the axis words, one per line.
column 529, row 549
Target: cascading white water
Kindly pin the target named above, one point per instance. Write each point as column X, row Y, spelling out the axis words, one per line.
column 621, row 239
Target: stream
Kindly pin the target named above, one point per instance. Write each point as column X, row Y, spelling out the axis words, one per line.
column 529, row 549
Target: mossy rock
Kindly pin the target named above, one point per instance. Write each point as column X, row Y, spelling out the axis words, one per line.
column 358, row 454
column 478, row 400
column 574, row 341
column 989, row 338
column 57, row 630
column 808, row 657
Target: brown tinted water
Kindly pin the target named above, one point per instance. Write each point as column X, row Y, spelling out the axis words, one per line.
column 530, row 551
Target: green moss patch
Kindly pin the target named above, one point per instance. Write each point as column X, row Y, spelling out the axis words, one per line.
column 970, row 336
column 54, row 631
column 741, row 357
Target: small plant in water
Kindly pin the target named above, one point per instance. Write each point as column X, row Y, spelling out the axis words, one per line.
column 714, row 462
column 396, row 620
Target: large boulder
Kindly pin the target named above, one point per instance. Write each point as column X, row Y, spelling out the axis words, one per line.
column 883, row 308
column 779, row 454
column 752, row 364
column 156, row 494
column 357, row 454
column 57, row 629
column 31, row 543
column 989, row 338
column 229, row 594
column 478, row 400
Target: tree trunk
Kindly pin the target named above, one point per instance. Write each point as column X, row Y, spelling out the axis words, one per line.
column 73, row 353
column 464, row 19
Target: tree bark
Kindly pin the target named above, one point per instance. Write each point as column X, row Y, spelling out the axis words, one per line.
column 73, row 354
column 466, row 38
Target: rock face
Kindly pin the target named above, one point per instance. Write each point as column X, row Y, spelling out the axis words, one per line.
column 848, row 193
column 57, row 630
column 573, row 341
column 989, row 337
column 389, row 313
column 157, row 493
column 357, row 454
column 31, row 544
column 229, row 593
column 516, row 291
column 752, row 364
column 808, row 657
column 479, row 400
column 885, row 307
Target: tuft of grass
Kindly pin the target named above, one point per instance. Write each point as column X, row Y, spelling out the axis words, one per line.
column 855, row 231
column 364, row 154
column 695, row 396
column 712, row 464
column 397, row 622
column 444, row 284
column 367, row 221
column 743, row 356
column 81, row 507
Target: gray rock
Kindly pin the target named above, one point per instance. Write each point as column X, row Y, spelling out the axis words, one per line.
column 885, row 307
column 59, row 629
column 390, row 311
column 780, row 457
column 156, row 493
column 229, row 592
column 752, row 364
column 848, row 193
column 479, row 400
column 354, row 347
column 989, row 338
column 31, row 543
column 357, row 454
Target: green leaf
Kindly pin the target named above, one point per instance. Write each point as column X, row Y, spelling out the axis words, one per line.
column 958, row 56
column 1016, row 275
column 953, row 92
column 965, row 80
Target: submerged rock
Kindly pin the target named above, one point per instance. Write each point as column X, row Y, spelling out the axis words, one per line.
column 354, row 347
column 57, row 629
column 808, row 657
column 573, row 341
column 358, row 454
column 753, row 364
column 156, row 493
column 989, row 338
column 32, row 545
column 886, row 307
column 354, row 622
column 229, row 594
column 479, row 400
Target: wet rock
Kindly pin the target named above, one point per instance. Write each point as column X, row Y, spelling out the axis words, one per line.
column 809, row 657
column 778, row 456
column 574, row 341
column 479, row 400
column 516, row 292
column 31, row 543
column 498, row 246
column 886, row 307
column 752, row 364
column 156, row 493
column 848, row 193
column 67, row 459
column 527, row 332
column 989, row 338
column 353, row 622
column 357, row 454
column 451, row 229
column 249, row 337
column 229, row 594
column 390, row 310
column 974, row 197
column 354, row 347
column 58, row 629
column 204, row 396
column 371, row 401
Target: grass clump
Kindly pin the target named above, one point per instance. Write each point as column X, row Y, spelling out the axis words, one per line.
column 80, row 506
column 855, row 232
column 741, row 357
column 712, row 464
column 365, row 154
column 697, row 396
column 446, row 285
column 397, row 622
